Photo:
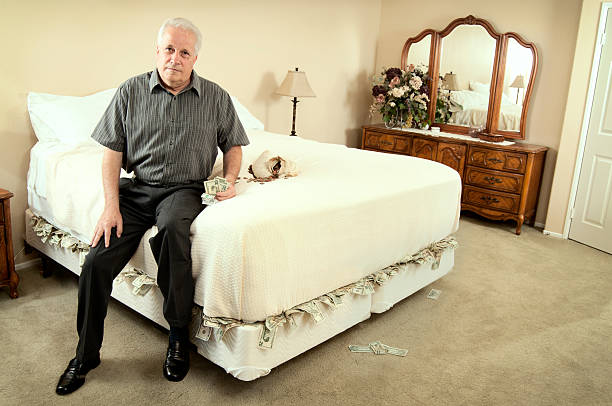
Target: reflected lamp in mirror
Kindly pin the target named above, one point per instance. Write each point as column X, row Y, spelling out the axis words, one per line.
column 518, row 83
column 450, row 81
column 295, row 85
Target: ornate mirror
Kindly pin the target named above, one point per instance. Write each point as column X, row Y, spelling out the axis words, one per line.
column 479, row 78
column 419, row 53
column 515, row 86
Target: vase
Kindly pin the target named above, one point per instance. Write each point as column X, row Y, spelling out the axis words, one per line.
column 401, row 119
column 389, row 122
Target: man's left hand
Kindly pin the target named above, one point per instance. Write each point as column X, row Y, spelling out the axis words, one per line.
column 228, row 194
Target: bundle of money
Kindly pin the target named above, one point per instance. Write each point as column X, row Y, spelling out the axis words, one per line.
column 212, row 187
column 378, row 348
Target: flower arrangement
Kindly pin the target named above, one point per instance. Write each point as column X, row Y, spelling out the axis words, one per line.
column 401, row 97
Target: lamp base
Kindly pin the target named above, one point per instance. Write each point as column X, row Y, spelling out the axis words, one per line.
column 295, row 102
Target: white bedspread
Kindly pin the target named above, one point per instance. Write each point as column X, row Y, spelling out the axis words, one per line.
column 347, row 214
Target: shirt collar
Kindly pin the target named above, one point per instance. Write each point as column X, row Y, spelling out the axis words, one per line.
column 194, row 82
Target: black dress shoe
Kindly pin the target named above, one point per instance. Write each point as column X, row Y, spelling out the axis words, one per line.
column 176, row 364
column 74, row 376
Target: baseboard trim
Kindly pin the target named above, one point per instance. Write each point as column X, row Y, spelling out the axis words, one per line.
column 27, row 264
column 556, row 235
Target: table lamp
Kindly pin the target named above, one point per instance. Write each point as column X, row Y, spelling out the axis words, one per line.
column 519, row 83
column 295, row 85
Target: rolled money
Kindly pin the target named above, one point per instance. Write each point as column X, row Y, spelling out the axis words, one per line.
column 379, row 348
column 359, row 348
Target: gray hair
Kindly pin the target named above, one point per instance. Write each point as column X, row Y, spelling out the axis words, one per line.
column 184, row 24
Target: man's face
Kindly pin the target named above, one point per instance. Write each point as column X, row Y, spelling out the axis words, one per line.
column 176, row 57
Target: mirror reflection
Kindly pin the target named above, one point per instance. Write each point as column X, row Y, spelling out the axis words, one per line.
column 519, row 61
column 466, row 69
column 418, row 54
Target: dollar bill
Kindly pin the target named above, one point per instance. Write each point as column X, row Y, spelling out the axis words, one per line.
column 221, row 183
column 211, row 187
column 434, row 294
column 266, row 338
column 359, row 348
column 394, row 351
column 208, row 199
column 378, row 348
column 204, row 332
column 313, row 309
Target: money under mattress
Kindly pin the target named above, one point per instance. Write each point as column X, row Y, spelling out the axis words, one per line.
column 347, row 214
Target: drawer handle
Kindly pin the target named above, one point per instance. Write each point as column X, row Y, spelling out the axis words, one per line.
column 492, row 179
column 489, row 199
column 386, row 142
column 495, row 160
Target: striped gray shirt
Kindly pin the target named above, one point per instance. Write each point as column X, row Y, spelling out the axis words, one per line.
column 168, row 139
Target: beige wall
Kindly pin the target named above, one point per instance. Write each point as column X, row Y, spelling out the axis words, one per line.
column 79, row 47
column 468, row 52
column 574, row 115
column 550, row 24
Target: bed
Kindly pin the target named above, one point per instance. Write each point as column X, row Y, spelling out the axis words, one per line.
column 470, row 107
column 280, row 268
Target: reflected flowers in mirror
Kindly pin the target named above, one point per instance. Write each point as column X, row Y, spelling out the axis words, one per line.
column 401, row 97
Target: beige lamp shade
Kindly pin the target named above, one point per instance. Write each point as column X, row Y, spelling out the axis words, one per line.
column 450, row 81
column 295, row 85
column 519, row 82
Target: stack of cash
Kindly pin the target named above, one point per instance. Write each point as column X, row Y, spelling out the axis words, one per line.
column 212, row 187
column 378, row 348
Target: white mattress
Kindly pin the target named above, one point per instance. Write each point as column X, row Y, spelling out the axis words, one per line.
column 238, row 352
column 347, row 214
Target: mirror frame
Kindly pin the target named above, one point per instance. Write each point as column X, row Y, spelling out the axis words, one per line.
column 497, row 77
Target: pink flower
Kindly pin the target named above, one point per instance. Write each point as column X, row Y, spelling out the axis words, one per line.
column 394, row 82
column 410, row 68
column 380, row 98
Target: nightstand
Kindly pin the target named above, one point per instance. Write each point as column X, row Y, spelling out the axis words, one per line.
column 8, row 276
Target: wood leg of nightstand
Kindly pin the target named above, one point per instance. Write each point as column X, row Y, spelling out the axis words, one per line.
column 13, row 290
column 519, row 223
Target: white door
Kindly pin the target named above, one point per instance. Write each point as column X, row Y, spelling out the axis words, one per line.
column 592, row 218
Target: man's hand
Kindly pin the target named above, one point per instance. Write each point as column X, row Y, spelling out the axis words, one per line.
column 111, row 217
column 228, row 194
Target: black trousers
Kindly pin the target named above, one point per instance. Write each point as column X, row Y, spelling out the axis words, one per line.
column 172, row 209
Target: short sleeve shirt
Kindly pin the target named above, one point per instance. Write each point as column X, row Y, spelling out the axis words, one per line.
column 170, row 139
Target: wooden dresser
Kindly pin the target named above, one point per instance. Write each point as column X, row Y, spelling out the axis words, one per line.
column 499, row 182
column 8, row 276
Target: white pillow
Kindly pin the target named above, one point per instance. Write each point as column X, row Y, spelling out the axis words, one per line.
column 248, row 120
column 67, row 119
column 479, row 87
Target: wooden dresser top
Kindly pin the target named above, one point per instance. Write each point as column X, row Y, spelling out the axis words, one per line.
column 518, row 146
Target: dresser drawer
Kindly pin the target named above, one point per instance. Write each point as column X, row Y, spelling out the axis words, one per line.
column 387, row 142
column 500, row 160
column 488, row 198
column 503, row 181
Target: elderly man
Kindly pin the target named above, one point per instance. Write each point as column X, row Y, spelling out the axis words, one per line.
column 165, row 125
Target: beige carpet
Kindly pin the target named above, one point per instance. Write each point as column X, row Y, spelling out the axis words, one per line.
column 521, row 320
